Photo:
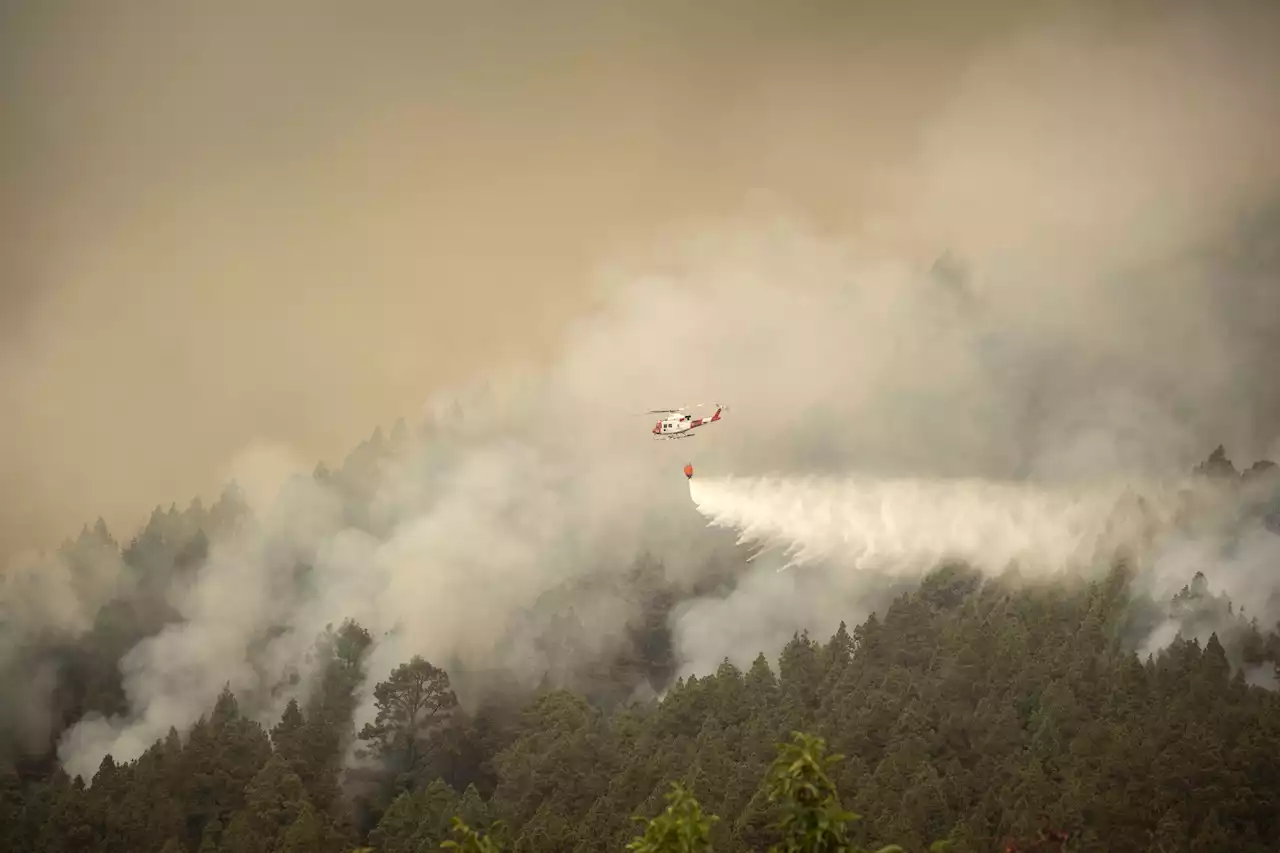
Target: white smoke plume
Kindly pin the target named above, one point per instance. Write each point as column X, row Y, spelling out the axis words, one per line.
column 55, row 597
column 473, row 533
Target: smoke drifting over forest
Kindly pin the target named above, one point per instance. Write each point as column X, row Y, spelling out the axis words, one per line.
column 1037, row 252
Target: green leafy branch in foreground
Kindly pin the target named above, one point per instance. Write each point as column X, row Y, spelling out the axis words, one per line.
column 680, row 828
column 813, row 820
column 471, row 841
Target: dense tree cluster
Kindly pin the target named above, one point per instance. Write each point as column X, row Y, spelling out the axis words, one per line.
column 969, row 711
column 990, row 715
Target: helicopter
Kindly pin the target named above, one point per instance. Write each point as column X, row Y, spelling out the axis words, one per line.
column 680, row 424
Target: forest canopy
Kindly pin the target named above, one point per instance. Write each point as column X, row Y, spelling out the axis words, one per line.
column 973, row 710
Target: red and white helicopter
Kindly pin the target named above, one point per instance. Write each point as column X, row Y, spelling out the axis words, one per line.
column 680, row 424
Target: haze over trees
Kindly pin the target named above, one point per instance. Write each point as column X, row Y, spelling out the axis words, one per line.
column 978, row 711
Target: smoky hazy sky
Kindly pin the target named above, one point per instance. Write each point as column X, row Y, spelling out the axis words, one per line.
column 232, row 222
column 237, row 236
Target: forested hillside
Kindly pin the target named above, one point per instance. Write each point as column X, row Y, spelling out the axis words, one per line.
column 993, row 714
column 949, row 306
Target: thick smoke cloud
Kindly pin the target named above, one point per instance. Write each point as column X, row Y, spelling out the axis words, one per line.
column 52, row 597
column 1099, row 321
